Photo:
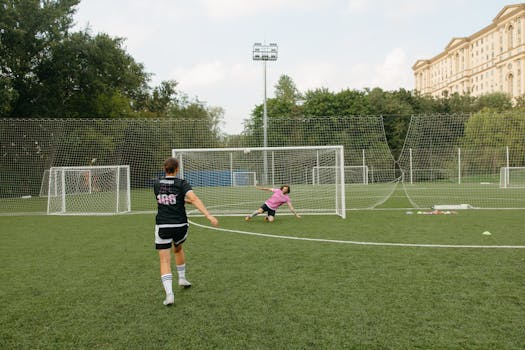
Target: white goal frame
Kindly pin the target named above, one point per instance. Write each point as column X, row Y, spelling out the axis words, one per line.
column 271, row 159
column 58, row 192
column 505, row 178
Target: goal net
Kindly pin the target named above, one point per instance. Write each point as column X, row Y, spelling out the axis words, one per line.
column 80, row 182
column 512, row 177
column 244, row 178
column 30, row 147
column 225, row 178
column 90, row 190
column 465, row 159
column 356, row 174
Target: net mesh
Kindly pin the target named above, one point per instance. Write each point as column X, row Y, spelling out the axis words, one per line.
column 458, row 159
column 454, row 159
column 512, row 177
column 365, row 145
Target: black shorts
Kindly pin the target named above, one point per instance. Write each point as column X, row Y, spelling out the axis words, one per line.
column 168, row 234
column 266, row 208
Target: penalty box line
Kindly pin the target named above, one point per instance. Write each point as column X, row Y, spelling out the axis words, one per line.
column 383, row 244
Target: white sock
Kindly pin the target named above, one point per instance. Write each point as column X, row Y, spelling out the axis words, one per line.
column 166, row 282
column 181, row 270
column 255, row 213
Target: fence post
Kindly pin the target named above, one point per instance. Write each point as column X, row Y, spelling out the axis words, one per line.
column 459, row 165
column 410, row 151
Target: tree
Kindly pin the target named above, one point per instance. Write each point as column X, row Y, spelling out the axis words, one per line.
column 490, row 131
column 285, row 90
column 88, row 76
column 163, row 97
column 497, row 101
column 46, row 71
column 28, row 31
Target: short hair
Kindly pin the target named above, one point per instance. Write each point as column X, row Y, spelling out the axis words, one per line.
column 171, row 165
column 289, row 189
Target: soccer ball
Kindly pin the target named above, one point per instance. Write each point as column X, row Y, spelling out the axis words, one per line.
column 246, row 151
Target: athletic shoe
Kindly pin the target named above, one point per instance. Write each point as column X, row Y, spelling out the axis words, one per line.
column 248, row 218
column 184, row 283
column 170, row 299
column 265, row 218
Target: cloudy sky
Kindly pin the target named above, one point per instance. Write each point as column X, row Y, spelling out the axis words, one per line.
column 206, row 45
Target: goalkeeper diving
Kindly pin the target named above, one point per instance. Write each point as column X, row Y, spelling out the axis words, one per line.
column 278, row 198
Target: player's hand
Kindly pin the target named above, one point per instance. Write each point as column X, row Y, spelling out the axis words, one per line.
column 213, row 220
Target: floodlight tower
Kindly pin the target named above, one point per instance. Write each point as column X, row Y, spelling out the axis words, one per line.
column 265, row 52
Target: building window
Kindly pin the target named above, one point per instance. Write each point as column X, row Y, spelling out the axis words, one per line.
column 510, row 37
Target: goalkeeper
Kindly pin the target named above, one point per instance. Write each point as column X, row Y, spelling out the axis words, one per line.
column 279, row 197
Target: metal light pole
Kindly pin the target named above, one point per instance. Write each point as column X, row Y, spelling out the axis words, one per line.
column 264, row 52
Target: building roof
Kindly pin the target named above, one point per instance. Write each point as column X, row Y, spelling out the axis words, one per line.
column 502, row 15
column 506, row 11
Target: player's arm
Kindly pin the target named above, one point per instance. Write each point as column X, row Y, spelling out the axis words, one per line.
column 293, row 210
column 192, row 199
column 264, row 188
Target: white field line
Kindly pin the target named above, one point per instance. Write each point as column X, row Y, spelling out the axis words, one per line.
column 362, row 243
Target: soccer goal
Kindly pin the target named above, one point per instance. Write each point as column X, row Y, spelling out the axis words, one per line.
column 512, row 177
column 89, row 190
column 80, row 182
column 226, row 178
column 357, row 174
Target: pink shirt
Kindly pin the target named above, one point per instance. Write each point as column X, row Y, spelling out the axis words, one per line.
column 277, row 199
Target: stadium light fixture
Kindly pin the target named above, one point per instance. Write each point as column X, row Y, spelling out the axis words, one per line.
column 265, row 52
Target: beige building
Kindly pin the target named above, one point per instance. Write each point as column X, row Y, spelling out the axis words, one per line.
column 491, row 60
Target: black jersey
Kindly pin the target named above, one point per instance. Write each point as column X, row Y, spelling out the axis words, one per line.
column 170, row 193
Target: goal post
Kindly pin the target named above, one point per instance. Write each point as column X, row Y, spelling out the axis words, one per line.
column 225, row 178
column 512, row 177
column 88, row 190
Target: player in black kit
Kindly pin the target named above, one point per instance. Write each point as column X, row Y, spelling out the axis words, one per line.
column 171, row 224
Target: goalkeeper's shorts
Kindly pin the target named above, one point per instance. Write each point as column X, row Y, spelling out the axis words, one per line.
column 266, row 208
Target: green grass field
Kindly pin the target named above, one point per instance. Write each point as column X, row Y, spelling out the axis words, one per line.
column 93, row 283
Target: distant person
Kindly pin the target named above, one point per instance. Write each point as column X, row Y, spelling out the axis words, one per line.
column 171, row 224
column 279, row 197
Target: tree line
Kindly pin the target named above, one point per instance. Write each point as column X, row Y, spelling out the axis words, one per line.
column 396, row 107
column 47, row 70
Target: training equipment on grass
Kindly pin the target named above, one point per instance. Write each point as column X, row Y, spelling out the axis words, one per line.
column 225, row 178
column 89, row 190
column 452, row 206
